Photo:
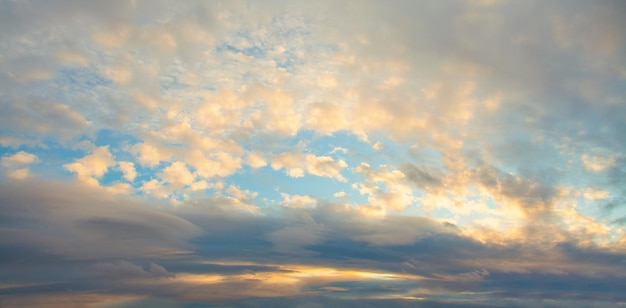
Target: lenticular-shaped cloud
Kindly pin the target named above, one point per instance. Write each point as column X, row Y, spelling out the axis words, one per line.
column 85, row 222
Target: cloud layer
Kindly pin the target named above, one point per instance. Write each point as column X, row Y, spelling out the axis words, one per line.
column 273, row 153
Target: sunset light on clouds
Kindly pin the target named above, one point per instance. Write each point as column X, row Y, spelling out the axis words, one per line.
column 312, row 153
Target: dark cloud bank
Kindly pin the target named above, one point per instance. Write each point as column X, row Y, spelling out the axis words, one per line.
column 82, row 243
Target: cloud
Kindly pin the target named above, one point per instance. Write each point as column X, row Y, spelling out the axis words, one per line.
column 291, row 239
column 217, row 164
column 16, row 163
column 128, row 168
column 155, row 188
column 279, row 116
column 177, row 175
column 128, row 270
column 19, row 174
column 598, row 163
column 20, row 158
column 326, row 247
column 595, row 194
column 242, row 195
column 340, row 194
column 325, row 166
column 326, row 118
column 84, row 222
column 533, row 198
column 395, row 195
column 149, row 155
column 377, row 146
column 92, row 167
column 298, row 201
column 41, row 118
column 296, row 164
column 256, row 160
column 423, row 176
column 461, row 153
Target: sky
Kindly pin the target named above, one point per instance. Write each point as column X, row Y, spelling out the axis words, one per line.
column 312, row 153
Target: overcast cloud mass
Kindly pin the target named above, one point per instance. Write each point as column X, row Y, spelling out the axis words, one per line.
column 312, row 153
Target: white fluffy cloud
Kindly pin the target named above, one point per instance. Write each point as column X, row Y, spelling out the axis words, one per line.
column 386, row 188
column 178, row 175
column 216, row 164
column 155, row 188
column 92, row 167
column 296, row 164
column 18, row 159
column 128, row 168
column 150, row 155
column 256, row 160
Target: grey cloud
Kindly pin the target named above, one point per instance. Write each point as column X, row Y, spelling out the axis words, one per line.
column 291, row 239
column 128, row 270
column 448, row 261
column 512, row 48
column 34, row 119
column 44, row 15
column 536, row 198
column 83, row 223
column 422, row 176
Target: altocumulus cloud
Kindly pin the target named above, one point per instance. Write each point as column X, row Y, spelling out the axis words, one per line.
column 309, row 154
